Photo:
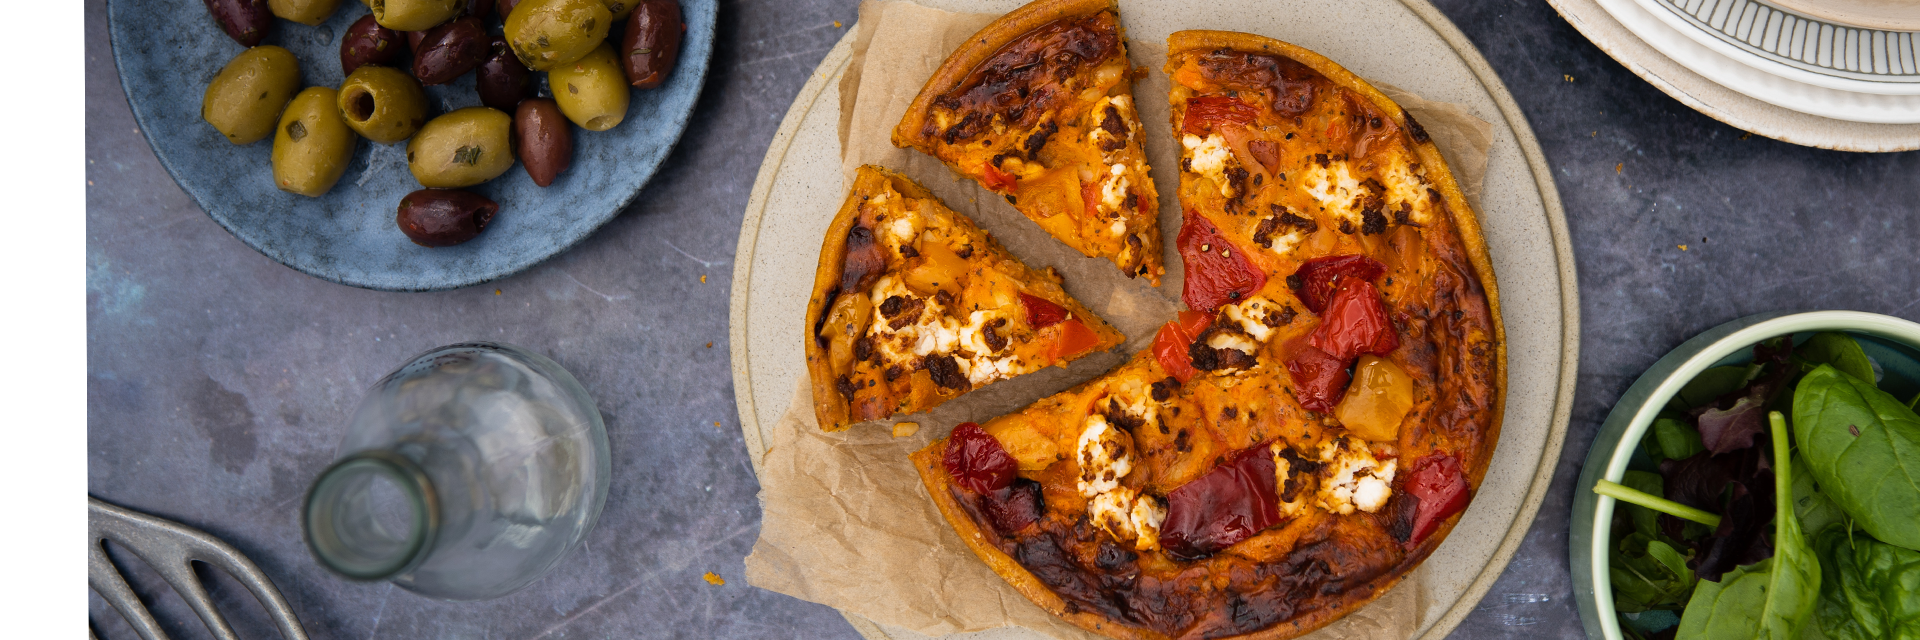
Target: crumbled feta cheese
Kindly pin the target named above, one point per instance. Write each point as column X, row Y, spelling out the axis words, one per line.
column 1284, row 245
column 904, row 227
column 1113, row 511
column 1147, row 517
column 1335, row 188
column 1353, row 479
column 973, row 337
column 1252, row 316
column 1231, row 340
column 1406, row 185
column 938, row 333
column 1113, row 194
column 1126, row 514
column 1209, row 158
column 1103, row 455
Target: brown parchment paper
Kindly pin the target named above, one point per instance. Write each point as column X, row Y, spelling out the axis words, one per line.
column 845, row 520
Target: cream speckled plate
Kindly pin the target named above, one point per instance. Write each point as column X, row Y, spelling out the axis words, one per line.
column 1408, row 45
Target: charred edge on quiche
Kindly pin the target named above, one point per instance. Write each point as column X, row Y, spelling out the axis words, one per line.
column 1019, row 82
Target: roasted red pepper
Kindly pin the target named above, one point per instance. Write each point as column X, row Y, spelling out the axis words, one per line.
column 1170, row 344
column 1231, row 503
column 1217, row 272
column 1075, row 339
column 1319, row 380
column 1441, row 487
column 1318, row 279
column 996, row 180
column 976, row 460
column 1356, row 322
column 1041, row 312
column 1206, row 111
column 1090, row 197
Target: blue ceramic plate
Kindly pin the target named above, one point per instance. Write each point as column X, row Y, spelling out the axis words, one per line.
column 168, row 50
column 1892, row 343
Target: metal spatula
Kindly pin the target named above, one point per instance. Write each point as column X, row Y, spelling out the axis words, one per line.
column 171, row 548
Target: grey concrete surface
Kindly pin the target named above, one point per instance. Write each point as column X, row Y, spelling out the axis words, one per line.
column 218, row 380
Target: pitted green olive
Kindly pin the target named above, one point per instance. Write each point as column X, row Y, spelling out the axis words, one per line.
column 385, row 105
column 414, row 15
column 462, row 148
column 308, row 12
column 593, row 91
column 245, row 100
column 549, row 33
column 312, row 145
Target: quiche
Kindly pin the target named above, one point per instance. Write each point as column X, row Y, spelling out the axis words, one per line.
column 1310, row 430
column 1038, row 107
column 913, row 305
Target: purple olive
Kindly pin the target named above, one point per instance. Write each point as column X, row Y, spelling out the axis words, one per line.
column 246, row 21
column 652, row 42
column 480, row 9
column 502, row 81
column 450, row 50
column 366, row 42
column 545, row 143
column 444, row 217
column 505, row 7
column 413, row 41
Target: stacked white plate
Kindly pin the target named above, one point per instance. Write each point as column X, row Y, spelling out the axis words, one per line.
column 1851, row 61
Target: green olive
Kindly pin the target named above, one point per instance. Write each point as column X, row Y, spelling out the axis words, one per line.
column 549, row 33
column 245, row 100
column 414, row 15
column 621, row 8
column 593, row 91
column 312, row 145
column 309, row 12
column 386, row 105
column 462, row 148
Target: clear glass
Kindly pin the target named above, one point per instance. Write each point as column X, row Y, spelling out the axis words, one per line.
column 465, row 475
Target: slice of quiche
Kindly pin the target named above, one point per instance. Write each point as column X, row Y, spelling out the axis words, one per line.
column 1038, row 107
column 913, row 305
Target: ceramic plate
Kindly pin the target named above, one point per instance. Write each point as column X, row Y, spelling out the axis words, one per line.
column 168, row 50
column 1675, row 77
column 1892, row 342
column 1896, row 15
column 1778, row 90
column 1797, row 47
column 1408, row 45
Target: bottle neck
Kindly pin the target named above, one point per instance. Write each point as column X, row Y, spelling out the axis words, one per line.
column 371, row 516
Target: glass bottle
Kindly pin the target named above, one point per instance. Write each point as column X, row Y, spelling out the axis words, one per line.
column 464, row 475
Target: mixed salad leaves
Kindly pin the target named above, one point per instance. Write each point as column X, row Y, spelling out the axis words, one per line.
column 1760, row 527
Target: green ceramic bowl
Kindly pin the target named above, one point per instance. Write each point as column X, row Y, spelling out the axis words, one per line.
column 1891, row 342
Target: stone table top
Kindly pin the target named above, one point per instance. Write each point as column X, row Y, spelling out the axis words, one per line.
column 219, row 381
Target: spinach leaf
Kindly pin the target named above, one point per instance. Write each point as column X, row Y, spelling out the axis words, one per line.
column 1648, row 573
column 1773, row 598
column 1863, row 447
column 1815, row 510
column 1871, row 589
column 1644, row 520
column 1837, row 349
column 1672, row 439
column 1647, row 569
